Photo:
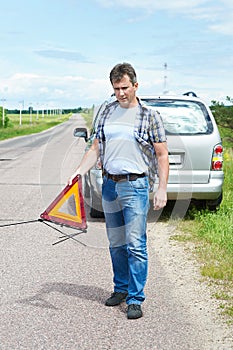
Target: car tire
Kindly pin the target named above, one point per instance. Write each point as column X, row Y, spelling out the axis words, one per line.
column 211, row 205
column 86, row 188
column 214, row 205
column 96, row 210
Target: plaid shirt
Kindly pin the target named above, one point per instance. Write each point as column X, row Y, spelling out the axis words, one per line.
column 148, row 129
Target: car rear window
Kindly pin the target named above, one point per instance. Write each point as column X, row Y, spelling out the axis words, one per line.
column 182, row 117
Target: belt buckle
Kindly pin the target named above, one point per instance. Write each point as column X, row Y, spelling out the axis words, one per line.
column 133, row 177
column 124, row 178
column 118, row 178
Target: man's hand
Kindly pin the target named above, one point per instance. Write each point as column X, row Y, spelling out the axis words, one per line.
column 160, row 199
column 70, row 180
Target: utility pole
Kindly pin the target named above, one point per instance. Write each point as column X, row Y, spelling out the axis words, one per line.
column 30, row 112
column 21, row 106
column 165, row 79
column 37, row 111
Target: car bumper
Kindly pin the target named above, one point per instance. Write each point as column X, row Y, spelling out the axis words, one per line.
column 206, row 191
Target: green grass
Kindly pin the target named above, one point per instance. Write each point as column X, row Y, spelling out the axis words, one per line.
column 30, row 125
column 88, row 117
column 227, row 136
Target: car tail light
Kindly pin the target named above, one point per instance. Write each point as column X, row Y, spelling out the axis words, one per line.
column 217, row 157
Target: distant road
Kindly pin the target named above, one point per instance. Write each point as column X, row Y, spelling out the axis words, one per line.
column 13, row 148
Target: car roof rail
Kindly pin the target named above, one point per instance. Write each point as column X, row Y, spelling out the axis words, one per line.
column 190, row 93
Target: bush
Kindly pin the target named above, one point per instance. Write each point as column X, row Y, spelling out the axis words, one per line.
column 223, row 114
column 6, row 119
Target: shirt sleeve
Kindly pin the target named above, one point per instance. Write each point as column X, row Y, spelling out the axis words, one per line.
column 156, row 129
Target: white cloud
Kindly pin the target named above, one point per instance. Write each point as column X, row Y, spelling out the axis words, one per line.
column 53, row 90
column 218, row 13
column 225, row 28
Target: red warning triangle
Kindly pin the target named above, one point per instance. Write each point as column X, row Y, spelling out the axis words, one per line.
column 68, row 207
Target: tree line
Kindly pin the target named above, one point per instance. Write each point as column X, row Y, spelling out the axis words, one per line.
column 223, row 114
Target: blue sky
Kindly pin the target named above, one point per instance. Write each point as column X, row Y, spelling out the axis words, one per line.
column 58, row 53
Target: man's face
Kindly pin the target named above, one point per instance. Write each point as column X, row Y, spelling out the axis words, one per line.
column 125, row 92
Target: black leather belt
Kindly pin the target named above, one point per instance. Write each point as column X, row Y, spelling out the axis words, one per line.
column 123, row 177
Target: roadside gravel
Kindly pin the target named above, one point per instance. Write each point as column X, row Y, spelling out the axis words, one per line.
column 187, row 285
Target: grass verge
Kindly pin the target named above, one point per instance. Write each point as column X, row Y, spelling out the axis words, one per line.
column 30, row 124
column 88, row 117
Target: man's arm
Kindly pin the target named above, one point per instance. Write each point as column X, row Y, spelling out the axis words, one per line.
column 160, row 196
column 88, row 161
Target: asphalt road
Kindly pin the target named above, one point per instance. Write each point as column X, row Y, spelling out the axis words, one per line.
column 52, row 295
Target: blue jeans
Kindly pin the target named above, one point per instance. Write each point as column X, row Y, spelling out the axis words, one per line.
column 125, row 205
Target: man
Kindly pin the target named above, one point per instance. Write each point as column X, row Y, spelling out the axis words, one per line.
column 131, row 143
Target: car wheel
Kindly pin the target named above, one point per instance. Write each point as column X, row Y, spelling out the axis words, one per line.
column 96, row 210
column 86, row 188
column 214, row 205
column 211, row 205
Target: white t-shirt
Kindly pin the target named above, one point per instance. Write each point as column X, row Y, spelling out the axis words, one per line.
column 122, row 153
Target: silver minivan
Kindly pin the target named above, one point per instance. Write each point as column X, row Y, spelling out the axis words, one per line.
column 195, row 152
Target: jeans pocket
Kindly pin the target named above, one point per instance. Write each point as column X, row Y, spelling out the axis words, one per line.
column 140, row 183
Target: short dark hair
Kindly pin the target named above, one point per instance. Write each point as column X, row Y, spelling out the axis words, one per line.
column 122, row 69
